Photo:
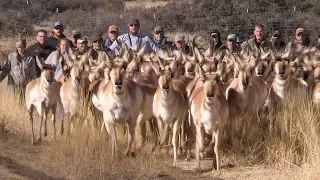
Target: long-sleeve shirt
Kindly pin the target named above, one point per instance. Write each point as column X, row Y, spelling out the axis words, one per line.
column 38, row 50
column 58, row 59
column 20, row 70
column 135, row 42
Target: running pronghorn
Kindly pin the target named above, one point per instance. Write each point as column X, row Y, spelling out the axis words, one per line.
column 247, row 93
column 284, row 82
column 70, row 91
column 165, row 107
column 210, row 111
column 120, row 100
column 43, row 94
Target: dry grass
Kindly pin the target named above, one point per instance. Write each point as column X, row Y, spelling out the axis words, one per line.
column 291, row 148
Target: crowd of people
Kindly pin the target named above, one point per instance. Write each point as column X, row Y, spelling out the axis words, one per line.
column 21, row 66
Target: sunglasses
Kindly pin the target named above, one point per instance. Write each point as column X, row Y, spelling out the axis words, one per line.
column 131, row 25
column 113, row 32
column 276, row 35
column 158, row 32
column 95, row 41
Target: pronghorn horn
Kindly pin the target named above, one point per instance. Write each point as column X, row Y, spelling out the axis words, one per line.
column 199, row 56
column 39, row 63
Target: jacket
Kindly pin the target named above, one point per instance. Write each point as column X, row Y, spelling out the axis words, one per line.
column 20, row 70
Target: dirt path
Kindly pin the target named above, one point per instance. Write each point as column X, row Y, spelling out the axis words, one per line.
column 20, row 160
column 23, row 161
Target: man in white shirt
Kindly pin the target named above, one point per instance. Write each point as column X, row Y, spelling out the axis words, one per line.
column 134, row 40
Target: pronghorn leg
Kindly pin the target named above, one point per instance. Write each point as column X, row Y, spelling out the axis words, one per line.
column 156, row 133
column 62, row 124
column 131, row 132
column 190, row 136
column 53, row 118
column 216, row 141
column 139, row 132
column 176, row 129
column 200, row 145
column 30, row 109
column 110, row 126
column 45, row 123
column 40, row 128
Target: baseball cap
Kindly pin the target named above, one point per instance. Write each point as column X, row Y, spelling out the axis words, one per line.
column 179, row 37
column 96, row 37
column 215, row 32
column 276, row 34
column 82, row 40
column 158, row 29
column 113, row 28
column 58, row 23
column 232, row 37
column 299, row 30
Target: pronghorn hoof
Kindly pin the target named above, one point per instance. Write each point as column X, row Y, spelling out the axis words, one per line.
column 45, row 134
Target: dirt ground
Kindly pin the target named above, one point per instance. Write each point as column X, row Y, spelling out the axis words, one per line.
column 21, row 160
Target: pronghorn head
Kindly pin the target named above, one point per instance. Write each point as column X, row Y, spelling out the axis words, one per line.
column 75, row 74
column 47, row 74
column 165, row 78
column 261, row 68
column 118, row 76
column 210, row 84
column 282, row 69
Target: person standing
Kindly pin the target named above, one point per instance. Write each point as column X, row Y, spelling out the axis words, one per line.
column 133, row 39
column 57, row 34
column 40, row 48
column 112, row 36
column 20, row 69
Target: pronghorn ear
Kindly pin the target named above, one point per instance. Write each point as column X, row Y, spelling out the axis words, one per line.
column 155, row 67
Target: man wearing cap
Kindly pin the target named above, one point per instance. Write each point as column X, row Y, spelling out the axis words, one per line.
column 82, row 47
column 300, row 42
column 232, row 43
column 160, row 39
column 134, row 40
column 258, row 40
column 74, row 38
column 112, row 36
column 40, row 48
column 277, row 43
column 20, row 69
column 215, row 42
column 96, row 40
column 57, row 34
column 180, row 44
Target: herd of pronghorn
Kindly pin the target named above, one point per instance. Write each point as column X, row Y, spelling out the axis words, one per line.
column 190, row 96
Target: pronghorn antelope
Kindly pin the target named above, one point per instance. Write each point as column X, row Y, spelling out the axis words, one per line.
column 284, row 82
column 70, row 91
column 120, row 100
column 165, row 106
column 210, row 111
column 43, row 94
column 246, row 94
